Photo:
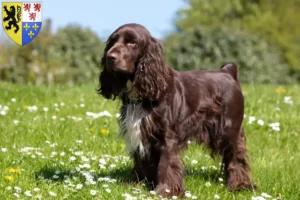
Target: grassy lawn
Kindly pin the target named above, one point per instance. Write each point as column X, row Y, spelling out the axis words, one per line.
column 58, row 143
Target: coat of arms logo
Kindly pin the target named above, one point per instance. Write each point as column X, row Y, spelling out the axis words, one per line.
column 22, row 21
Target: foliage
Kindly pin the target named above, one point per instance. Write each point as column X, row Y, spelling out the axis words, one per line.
column 272, row 20
column 207, row 48
column 62, row 151
column 71, row 55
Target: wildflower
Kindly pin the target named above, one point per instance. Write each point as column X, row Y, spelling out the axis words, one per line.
column 8, row 188
column 55, row 176
column 16, row 122
column 93, row 192
column 13, row 99
column 52, row 194
column 25, row 107
column 104, row 131
column 108, row 190
column 28, row 193
column 16, row 195
column 194, row 197
column 194, row 162
column 275, row 126
column 118, row 115
column 265, row 195
column 72, row 158
column 9, row 178
column 280, row 90
column 79, row 186
column 167, row 191
column 38, row 196
column 152, row 192
column 54, row 117
column 62, row 153
column 260, row 122
column 251, row 119
column 62, row 104
column 288, row 100
column 45, row 109
column 14, row 170
column 257, row 198
column 220, row 179
column 36, row 189
column 216, row 196
column 81, row 105
column 79, row 141
column 174, row 197
column 207, row 184
column 3, row 150
column 187, row 194
column 3, row 112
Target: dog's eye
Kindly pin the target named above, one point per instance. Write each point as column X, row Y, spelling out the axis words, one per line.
column 131, row 42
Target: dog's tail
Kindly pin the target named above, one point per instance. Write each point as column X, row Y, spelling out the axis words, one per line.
column 231, row 68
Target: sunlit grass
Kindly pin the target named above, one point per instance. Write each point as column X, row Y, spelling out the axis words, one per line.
column 61, row 143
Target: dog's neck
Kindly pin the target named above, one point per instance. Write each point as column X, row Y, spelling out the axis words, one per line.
column 131, row 94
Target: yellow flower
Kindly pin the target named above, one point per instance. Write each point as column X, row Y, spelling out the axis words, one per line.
column 14, row 170
column 280, row 90
column 92, row 130
column 9, row 178
column 104, row 131
column 25, row 107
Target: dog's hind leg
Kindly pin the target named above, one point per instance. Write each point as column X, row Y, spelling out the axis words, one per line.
column 233, row 148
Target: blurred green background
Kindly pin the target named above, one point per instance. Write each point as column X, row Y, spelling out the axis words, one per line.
column 261, row 36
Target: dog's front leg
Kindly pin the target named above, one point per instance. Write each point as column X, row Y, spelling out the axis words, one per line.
column 170, row 172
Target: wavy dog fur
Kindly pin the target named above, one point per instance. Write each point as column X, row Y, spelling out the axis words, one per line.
column 162, row 109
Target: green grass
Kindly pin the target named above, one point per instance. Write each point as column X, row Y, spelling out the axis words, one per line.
column 274, row 155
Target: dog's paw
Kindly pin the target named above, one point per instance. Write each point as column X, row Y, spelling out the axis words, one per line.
column 167, row 192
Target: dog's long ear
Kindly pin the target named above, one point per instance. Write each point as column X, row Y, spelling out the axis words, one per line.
column 151, row 76
column 110, row 83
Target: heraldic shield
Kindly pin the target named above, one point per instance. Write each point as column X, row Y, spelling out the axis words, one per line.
column 22, row 21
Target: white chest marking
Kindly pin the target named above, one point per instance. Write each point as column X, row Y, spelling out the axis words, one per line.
column 130, row 127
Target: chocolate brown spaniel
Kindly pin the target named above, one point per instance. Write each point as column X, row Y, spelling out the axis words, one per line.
column 163, row 108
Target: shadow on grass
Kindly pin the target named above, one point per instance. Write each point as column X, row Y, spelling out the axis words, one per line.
column 120, row 175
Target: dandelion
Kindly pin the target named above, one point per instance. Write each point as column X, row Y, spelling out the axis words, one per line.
column 14, row 170
column 52, row 194
column 25, row 107
column 280, row 90
column 3, row 150
column 9, row 178
column 104, row 131
column 93, row 192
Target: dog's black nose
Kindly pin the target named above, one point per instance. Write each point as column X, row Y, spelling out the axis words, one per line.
column 111, row 56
